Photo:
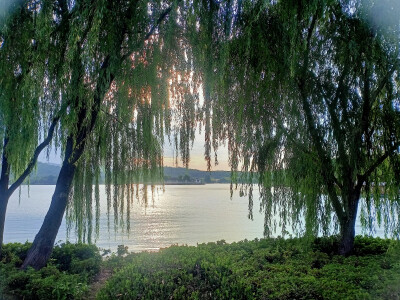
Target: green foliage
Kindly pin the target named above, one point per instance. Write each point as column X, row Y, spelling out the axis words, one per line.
column 80, row 259
column 48, row 283
column 133, row 55
column 14, row 253
column 363, row 245
column 67, row 276
column 28, row 96
column 118, row 78
column 370, row 246
column 122, row 250
column 305, row 94
column 260, row 269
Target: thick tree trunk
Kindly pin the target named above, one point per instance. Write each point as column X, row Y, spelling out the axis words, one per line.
column 347, row 233
column 4, row 196
column 4, row 193
column 42, row 246
column 347, row 225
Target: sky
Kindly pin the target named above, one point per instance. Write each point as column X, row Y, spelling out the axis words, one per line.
column 197, row 160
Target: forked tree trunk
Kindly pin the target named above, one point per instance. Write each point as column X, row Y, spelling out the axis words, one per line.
column 42, row 246
column 347, row 225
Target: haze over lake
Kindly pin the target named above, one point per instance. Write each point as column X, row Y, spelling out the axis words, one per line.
column 188, row 214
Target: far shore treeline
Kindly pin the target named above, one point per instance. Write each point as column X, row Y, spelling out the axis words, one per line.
column 47, row 173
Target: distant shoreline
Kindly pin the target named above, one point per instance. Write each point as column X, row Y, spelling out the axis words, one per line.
column 47, row 174
column 183, row 183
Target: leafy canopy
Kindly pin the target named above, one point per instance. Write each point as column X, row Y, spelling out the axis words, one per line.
column 305, row 93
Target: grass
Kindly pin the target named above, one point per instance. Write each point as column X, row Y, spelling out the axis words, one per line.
column 259, row 269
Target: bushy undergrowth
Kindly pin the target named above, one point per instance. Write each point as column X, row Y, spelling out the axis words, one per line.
column 260, row 269
column 67, row 275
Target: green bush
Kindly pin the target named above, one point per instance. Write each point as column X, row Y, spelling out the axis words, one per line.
column 77, row 258
column 328, row 245
column 370, row 246
column 65, row 277
column 260, row 269
column 14, row 253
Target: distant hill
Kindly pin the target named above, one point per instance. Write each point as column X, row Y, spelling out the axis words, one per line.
column 47, row 173
column 207, row 177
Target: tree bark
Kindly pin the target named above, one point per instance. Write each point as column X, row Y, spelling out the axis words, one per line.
column 348, row 223
column 347, row 233
column 4, row 196
column 4, row 193
column 42, row 246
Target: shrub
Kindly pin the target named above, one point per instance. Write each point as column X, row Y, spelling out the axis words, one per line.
column 65, row 277
column 14, row 253
column 370, row 246
column 328, row 245
column 77, row 258
column 260, row 269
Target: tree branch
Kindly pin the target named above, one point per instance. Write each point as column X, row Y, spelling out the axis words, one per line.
column 100, row 91
column 327, row 168
column 5, row 168
column 368, row 100
column 159, row 20
column 152, row 29
column 33, row 160
column 376, row 164
column 382, row 84
column 339, row 137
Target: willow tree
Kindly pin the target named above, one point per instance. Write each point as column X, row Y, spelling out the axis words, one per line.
column 28, row 97
column 124, row 63
column 306, row 94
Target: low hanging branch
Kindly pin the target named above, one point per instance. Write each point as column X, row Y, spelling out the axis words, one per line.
column 35, row 156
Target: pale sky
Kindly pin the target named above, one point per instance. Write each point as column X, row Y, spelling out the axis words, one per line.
column 197, row 160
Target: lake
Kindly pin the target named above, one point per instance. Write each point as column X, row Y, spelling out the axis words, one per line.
column 183, row 214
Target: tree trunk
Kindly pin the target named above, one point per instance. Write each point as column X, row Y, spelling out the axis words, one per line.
column 4, row 193
column 42, row 246
column 347, row 225
column 347, row 233
column 4, row 197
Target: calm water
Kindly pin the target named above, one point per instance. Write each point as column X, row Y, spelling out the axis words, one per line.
column 181, row 215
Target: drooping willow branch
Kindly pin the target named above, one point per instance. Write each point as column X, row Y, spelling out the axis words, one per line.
column 36, row 153
column 163, row 15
